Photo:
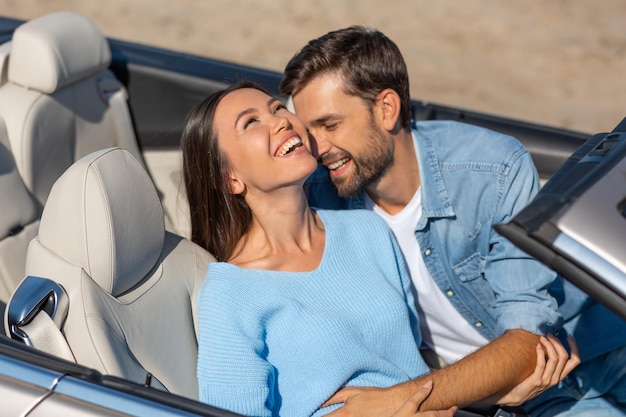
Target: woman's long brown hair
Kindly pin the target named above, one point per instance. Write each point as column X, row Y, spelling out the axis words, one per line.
column 219, row 218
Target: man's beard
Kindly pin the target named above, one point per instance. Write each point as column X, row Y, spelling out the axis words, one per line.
column 368, row 168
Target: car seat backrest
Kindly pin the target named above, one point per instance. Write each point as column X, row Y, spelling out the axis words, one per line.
column 60, row 102
column 131, row 285
column 5, row 49
column 19, row 221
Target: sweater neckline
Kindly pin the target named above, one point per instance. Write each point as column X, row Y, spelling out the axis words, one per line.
column 328, row 236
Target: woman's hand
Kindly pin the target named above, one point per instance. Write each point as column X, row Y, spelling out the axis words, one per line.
column 410, row 407
column 553, row 365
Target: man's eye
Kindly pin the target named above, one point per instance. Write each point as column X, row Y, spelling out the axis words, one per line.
column 331, row 126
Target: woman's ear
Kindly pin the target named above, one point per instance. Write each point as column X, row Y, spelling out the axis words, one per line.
column 236, row 186
column 389, row 103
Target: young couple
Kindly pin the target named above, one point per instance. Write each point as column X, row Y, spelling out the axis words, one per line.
column 312, row 311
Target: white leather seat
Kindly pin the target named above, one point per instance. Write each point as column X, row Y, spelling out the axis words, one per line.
column 19, row 221
column 131, row 285
column 60, row 102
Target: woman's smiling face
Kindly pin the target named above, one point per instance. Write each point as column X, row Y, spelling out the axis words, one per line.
column 267, row 146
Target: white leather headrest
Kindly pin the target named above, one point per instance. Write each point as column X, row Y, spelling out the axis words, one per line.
column 55, row 50
column 16, row 204
column 104, row 215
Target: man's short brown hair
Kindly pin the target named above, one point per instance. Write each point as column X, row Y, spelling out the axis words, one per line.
column 366, row 59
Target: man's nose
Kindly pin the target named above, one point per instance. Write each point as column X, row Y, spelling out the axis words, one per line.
column 319, row 145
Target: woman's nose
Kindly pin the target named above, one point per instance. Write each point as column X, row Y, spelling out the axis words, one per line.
column 281, row 123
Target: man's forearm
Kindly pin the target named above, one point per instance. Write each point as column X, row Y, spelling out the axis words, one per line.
column 494, row 369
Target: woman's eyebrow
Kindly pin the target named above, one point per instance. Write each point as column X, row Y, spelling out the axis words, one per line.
column 273, row 100
column 249, row 110
column 243, row 114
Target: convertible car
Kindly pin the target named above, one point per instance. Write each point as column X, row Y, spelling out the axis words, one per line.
column 97, row 275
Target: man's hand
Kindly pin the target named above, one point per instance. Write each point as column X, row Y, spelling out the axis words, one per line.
column 476, row 379
column 378, row 402
column 548, row 372
column 358, row 399
column 411, row 406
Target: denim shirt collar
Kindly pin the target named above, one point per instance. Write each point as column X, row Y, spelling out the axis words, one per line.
column 435, row 201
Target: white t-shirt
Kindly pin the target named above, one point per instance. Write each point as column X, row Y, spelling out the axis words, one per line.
column 443, row 328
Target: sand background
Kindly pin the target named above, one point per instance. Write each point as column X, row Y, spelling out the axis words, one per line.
column 553, row 61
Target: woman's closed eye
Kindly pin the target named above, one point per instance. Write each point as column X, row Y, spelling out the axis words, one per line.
column 253, row 118
column 280, row 107
column 247, row 122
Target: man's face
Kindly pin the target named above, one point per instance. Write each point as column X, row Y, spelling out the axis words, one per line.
column 345, row 134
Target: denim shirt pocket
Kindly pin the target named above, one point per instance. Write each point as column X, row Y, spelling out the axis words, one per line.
column 470, row 268
column 471, row 274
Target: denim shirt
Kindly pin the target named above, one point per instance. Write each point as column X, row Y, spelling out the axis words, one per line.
column 471, row 179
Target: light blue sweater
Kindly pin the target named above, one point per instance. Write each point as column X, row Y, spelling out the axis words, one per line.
column 281, row 343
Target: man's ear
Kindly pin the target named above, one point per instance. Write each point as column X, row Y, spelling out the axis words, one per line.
column 389, row 103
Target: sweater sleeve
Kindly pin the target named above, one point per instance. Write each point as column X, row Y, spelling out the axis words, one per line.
column 232, row 371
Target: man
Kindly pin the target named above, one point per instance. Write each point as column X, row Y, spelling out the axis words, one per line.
column 441, row 186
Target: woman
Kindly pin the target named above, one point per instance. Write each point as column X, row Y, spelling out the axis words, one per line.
column 302, row 302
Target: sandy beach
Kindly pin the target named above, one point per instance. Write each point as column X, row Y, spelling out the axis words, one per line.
column 554, row 61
